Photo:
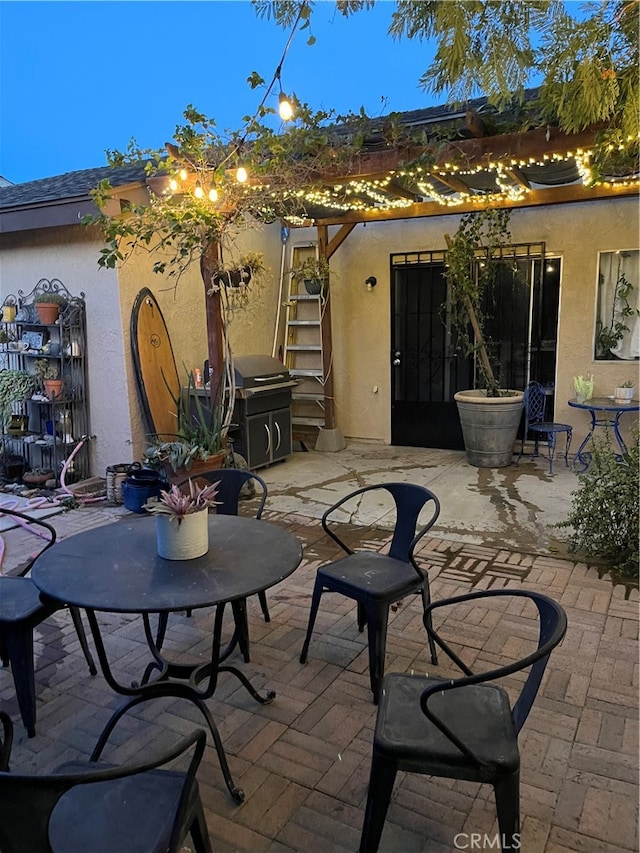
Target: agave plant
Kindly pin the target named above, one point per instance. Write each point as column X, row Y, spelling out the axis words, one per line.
column 177, row 504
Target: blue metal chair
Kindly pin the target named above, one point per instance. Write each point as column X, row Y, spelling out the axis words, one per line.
column 462, row 728
column 89, row 806
column 535, row 404
column 21, row 610
column 377, row 580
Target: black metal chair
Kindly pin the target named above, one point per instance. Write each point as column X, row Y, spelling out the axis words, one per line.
column 136, row 808
column 377, row 580
column 231, row 483
column 21, row 610
column 535, row 405
column 462, row 728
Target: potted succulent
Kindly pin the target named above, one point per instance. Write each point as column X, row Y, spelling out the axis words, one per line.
column 624, row 392
column 48, row 305
column 48, row 377
column 182, row 531
column 201, row 440
column 489, row 416
column 313, row 273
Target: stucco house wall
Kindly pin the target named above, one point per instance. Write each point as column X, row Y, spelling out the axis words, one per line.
column 360, row 318
column 69, row 254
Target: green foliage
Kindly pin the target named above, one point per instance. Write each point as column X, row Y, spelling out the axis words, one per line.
column 605, row 509
column 311, row 268
column 50, row 297
column 178, row 227
column 202, row 430
column 586, row 55
column 470, row 268
column 15, row 386
column 608, row 337
column 45, row 369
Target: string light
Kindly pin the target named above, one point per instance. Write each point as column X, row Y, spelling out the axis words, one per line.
column 285, row 109
column 173, row 185
column 183, row 174
column 213, row 192
column 198, row 192
column 241, row 174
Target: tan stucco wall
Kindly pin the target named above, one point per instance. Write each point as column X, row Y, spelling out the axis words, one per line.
column 361, row 319
column 183, row 306
column 70, row 254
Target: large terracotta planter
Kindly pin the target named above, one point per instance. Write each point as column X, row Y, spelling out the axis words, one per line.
column 489, row 426
column 216, row 460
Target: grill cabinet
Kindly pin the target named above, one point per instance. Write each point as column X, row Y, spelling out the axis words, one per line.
column 262, row 409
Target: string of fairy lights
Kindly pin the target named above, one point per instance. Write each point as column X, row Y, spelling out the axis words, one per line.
column 375, row 193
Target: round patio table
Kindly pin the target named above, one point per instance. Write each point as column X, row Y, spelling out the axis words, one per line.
column 605, row 412
column 116, row 568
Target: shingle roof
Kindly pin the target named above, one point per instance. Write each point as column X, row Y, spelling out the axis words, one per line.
column 69, row 185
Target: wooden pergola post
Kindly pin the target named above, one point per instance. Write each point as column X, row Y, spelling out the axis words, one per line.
column 213, row 313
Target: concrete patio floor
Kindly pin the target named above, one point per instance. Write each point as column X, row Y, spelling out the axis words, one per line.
column 303, row 760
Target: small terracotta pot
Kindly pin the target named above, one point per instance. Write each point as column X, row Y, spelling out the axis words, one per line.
column 53, row 388
column 47, row 312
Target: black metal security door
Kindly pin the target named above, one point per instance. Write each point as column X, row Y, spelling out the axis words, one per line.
column 427, row 369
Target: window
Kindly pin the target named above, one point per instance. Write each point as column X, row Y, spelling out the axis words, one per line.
column 618, row 317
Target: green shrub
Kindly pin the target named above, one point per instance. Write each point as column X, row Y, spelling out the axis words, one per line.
column 605, row 508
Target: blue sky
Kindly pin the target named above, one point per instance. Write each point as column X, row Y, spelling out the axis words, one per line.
column 77, row 78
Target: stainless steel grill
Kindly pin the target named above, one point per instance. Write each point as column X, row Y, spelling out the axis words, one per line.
column 262, row 409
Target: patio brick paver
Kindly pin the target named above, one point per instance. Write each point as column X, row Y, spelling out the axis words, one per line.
column 303, row 760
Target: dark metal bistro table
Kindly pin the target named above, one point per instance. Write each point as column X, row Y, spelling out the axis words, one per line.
column 605, row 412
column 116, row 568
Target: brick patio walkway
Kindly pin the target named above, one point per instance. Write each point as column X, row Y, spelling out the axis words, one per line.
column 303, row 761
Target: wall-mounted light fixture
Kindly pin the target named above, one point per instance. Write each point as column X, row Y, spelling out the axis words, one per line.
column 371, row 282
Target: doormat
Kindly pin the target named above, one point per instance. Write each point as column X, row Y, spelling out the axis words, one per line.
column 34, row 507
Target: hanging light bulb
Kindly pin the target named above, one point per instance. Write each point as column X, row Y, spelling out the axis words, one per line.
column 213, row 192
column 198, row 192
column 285, row 108
column 183, row 174
column 173, row 185
column 241, row 174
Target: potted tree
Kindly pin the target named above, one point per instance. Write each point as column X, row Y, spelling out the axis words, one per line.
column 490, row 415
column 48, row 305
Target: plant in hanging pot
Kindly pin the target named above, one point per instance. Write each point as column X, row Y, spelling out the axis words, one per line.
column 313, row 273
column 182, row 531
column 240, row 271
column 48, row 304
column 489, row 416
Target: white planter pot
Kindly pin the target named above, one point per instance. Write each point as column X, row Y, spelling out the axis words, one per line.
column 184, row 541
column 623, row 395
